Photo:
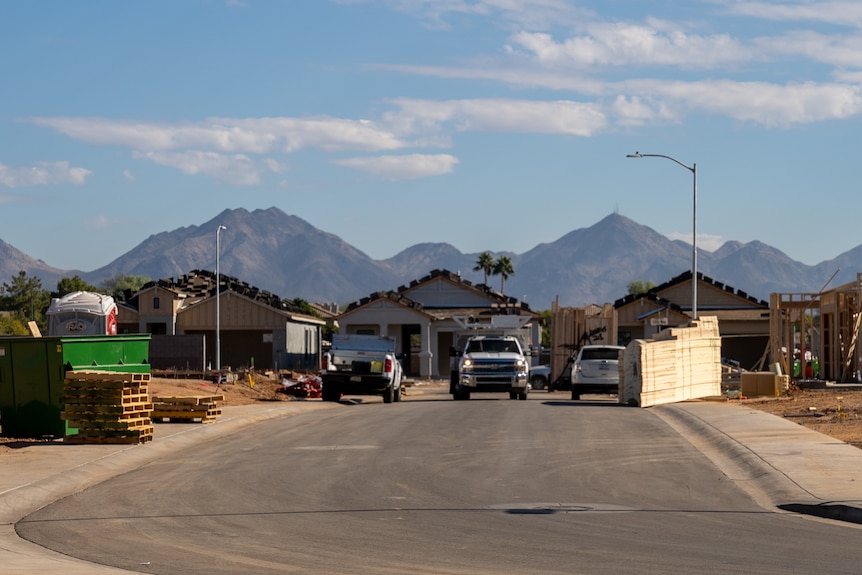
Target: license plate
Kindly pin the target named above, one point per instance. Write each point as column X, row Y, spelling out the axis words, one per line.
column 604, row 367
column 356, row 378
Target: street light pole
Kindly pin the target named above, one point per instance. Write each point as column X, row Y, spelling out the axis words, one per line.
column 693, row 170
column 218, row 307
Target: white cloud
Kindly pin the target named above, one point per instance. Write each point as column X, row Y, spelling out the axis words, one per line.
column 41, row 174
column 772, row 105
column 406, row 167
column 101, row 222
column 632, row 102
column 832, row 49
column 708, row 242
column 639, row 111
column 624, row 44
column 234, row 169
column 841, row 12
column 501, row 115
column 534, row 14
column 129, row 176
column 228, row 135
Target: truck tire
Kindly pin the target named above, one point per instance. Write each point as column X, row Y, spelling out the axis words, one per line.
column 389, row 394
column 328, row 393
column 537, row 382
column 398, row 394
column 575, row 395
column 522, row 396
column 513, row 395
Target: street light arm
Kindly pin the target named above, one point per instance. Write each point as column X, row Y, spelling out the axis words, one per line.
column 671, row 158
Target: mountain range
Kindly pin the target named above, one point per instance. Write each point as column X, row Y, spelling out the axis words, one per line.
column 289, row 257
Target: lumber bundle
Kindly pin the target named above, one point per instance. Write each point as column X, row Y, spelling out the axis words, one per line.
column 679, row 364
column 203, row 408
column 754, row 383
column 107, row 407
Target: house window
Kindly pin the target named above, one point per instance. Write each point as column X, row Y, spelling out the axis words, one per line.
column 156, row 302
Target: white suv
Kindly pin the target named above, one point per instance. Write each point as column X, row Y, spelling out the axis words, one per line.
column 596, row 370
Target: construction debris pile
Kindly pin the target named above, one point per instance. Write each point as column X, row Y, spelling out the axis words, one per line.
column 107, row 407
column 304, row 387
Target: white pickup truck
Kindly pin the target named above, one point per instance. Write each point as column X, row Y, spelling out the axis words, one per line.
column 492, row 363
column 361, row 365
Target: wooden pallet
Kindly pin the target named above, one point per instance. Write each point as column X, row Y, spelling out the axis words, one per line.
column 108, row 407
column 187, row 408
column 126, row 436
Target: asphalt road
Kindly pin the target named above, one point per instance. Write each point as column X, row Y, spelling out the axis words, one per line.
column 430, row 485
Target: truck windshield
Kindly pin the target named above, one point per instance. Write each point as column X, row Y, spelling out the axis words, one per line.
column 491, row 345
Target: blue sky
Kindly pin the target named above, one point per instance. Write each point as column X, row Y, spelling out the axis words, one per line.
column 488, row 124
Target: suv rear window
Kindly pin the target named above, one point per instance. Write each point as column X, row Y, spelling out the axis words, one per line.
column 600, row 353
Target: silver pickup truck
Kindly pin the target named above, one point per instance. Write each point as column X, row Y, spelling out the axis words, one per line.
column 361, row 365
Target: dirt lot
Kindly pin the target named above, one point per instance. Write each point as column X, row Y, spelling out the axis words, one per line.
column 239, row 393
column 833, row 412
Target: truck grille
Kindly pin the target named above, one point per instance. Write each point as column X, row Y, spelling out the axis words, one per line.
column 493, row 367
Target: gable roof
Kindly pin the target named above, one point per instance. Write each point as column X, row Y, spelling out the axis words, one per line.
column 749, row 301
column 388, row 297
column 495, row 298
column 496, row 302
column 200, row 285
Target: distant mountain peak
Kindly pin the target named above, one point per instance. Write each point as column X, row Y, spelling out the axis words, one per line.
column 285, row 255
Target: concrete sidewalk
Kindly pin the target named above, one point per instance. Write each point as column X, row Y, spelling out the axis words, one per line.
column 779, row 463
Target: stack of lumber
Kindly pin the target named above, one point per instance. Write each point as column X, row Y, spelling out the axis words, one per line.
column 205, row 408
column 107, row 407
column 679, row 364
column 755, row 383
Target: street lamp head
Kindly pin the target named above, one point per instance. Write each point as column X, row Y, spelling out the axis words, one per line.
column 222, row 227
column 635, row 155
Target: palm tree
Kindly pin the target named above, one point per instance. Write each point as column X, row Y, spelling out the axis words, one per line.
column 503, row 267
column 485, row 263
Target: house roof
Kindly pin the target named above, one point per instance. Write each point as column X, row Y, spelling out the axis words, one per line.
column 390, row 297
column 498, row 303
column 200, row 285
column 686, row 277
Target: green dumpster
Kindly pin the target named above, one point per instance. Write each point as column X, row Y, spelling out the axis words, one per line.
column 33, row 370
column 125, row 353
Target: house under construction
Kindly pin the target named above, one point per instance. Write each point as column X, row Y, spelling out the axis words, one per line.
column 816, row 335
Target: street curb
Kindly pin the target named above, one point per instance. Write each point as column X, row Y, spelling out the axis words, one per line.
column 770, row 487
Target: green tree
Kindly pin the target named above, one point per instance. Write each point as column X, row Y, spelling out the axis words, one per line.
column 546, row 327
column 638, row 287
column 73, row 284
column 304, row 306
column 117, row 285
column 26, row 298
column 503, row 267
column 11, row 325
column 485, row 264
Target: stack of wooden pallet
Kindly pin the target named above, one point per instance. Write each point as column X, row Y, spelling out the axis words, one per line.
column 107, row 407
column 203, row 408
